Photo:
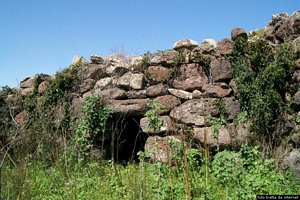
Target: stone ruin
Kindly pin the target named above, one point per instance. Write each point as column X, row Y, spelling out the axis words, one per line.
column 187, row 81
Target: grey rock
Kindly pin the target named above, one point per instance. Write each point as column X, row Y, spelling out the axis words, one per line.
column 168, row 102
column 157, row 90
column 136, row 94
column 28, row 82
column 216, row 90
column 221, row 70
column 129, row 107
column 159, row 148
column 194, row 111
column 112, row 93
column 165, row 58
column 185, row 44
column 181, row 94
column 190, row 77
column 293, row 161
column 225, row 46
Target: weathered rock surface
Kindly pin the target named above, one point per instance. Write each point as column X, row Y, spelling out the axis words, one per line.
column 118, row 63
column 227, row 135
column 185, row 44
column 225, row 46
column 190, row 77
column 79, row 60
column 130, row 107
column 168, row 102
column 165, row 58
column 206, row 135
column 27, row 82
column 194, row 111
column 26, row 91
column 77, row 105
column 96, row 59
column 157, row 90
column 103, row 83
column 233, row 86
column 216, row 90
column 232, row 106
column 293, row 160
column 238, row 32
column 159, row 148
column 166, row 127
column 207, row 46
column 196, row 94
column 42, row 87
column 158, row 73
column 283, row 26
column 87, row 85
column 93, row 71
column 181, row 94
column 221, row 70
column 133, row 81
column 136, row 94
column 112, row 93
column 295, row 104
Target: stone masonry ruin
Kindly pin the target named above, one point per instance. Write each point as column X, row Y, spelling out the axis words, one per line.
column 190, row 81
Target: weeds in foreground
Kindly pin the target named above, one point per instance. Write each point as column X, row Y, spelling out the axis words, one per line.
column 232, row 175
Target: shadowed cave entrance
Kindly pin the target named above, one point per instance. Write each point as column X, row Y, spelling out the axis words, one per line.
column 127, row 139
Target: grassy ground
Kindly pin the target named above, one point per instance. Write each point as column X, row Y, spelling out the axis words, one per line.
column 231, row 175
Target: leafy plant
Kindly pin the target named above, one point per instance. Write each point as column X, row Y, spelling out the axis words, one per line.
column 94, row 123
column 262, row 74
column 154, row 122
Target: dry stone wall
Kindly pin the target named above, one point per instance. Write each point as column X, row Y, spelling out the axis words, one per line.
column 189, row 81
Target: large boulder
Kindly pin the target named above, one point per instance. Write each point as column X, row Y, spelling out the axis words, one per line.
column 190, row 77
column 165, row 58
column 112, row 93
column 136, row 94
column 117, row 63
column 133, row 81
column 185, row 44
column 238, row 32
column 96, row 59
column 221, row 70
column 283, row 26
column 194, row 111
column 87, row 85
column 225, row 46
column 292, row 160
column 159, row 148
column 295, row 104
column 93, row 71
column 79, row 60
column 129, row 107
column 28, row 82
column 103, row 83
column 42, row 87
column 159, row 73
column 225, row 136
column 232, row 106
column 168, row 102
column 206, row 135
column 216, row 90
column 207, row 46
column 157, row 90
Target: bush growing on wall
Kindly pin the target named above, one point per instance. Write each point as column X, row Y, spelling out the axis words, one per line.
column 262, row 74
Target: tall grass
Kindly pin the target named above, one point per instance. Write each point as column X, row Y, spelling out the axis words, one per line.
column 231, row 175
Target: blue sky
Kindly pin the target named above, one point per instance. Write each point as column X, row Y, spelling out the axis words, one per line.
column 43, row 36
